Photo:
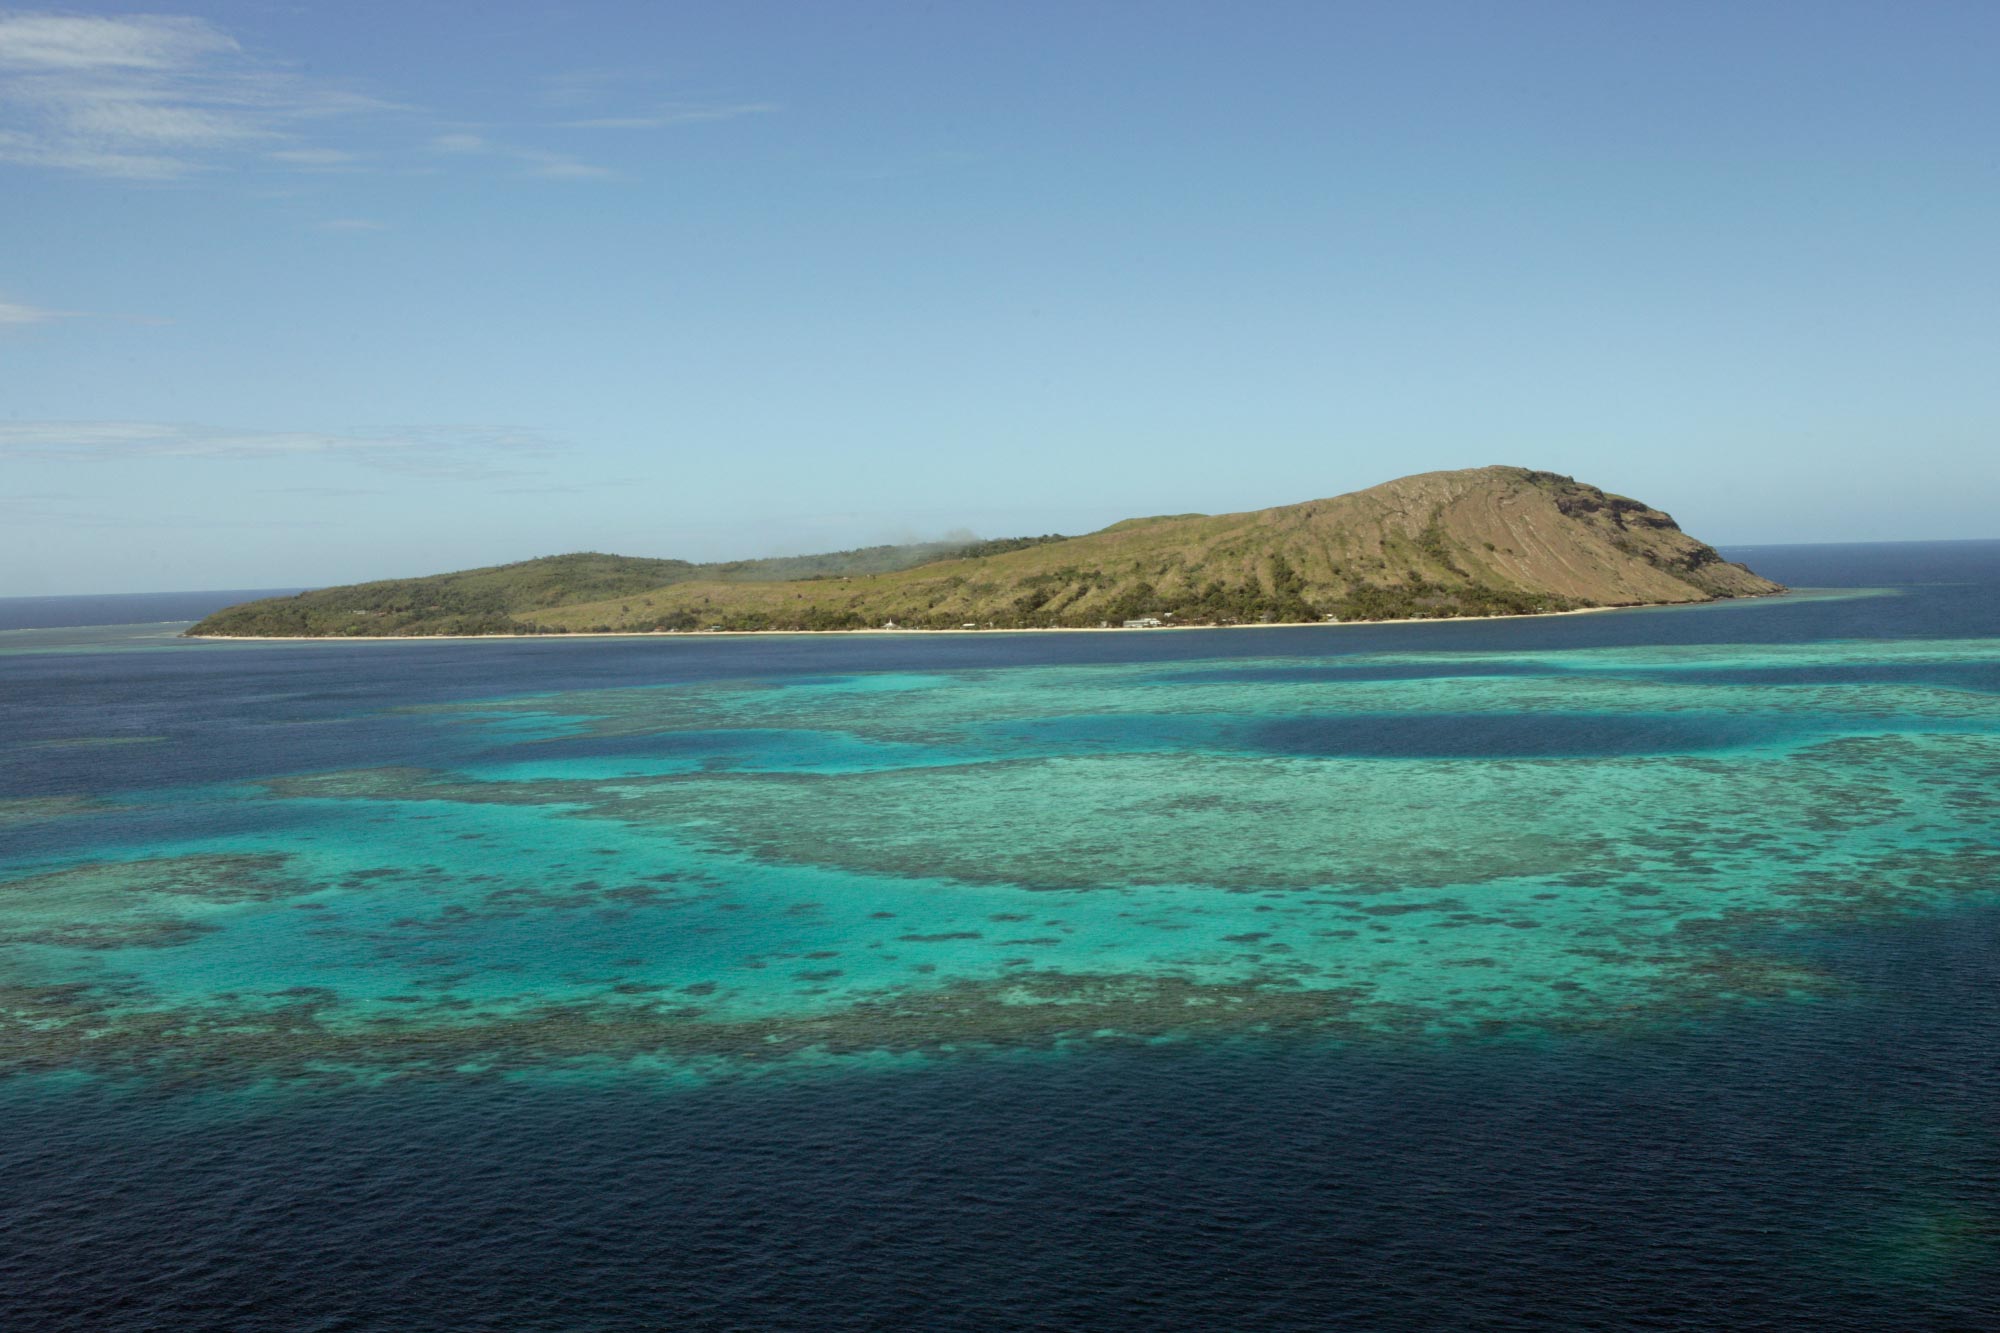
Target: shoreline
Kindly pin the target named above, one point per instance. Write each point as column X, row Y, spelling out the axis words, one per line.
column 1039, row 629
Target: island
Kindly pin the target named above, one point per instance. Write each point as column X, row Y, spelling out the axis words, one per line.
column 1488, row 541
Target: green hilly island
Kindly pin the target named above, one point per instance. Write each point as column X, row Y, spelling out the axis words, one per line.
column 1474, row 542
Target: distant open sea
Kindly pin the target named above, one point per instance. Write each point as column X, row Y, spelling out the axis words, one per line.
column 1626, row 971
column 122, row 608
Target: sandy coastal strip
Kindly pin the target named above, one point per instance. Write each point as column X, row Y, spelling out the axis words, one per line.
column 800, row 633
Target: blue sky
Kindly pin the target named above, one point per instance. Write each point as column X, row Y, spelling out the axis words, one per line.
column 299, row 294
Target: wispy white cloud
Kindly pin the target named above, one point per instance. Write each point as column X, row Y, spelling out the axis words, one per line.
column 612, row 123
column 18, row 315
column 149, row 96
column 533, row 161
column 324, row 158
column 630, row 99
column 572, row 487
column 61, row 512
column 159, row 97
column 69, row 155
column 582, row 87
column 555, row 166
column 140, row 41
column 683, row 114
column 461, row 453
column 13, row 314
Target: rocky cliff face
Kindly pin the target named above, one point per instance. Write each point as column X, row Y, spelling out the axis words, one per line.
column 1509, row 527
column 1481, row 541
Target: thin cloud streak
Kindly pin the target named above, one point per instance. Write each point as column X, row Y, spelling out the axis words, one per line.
column 326, row 159
column 555, row 166
column 535, row 161
column 142, row 41
column 13, row 314
column 17, row 315
column 149, row 97
column 456, row 453
column 674, row 115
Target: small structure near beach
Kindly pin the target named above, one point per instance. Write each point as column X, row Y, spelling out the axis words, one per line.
column 1143, row 622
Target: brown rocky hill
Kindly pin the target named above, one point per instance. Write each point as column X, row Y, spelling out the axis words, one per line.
column 1479, row 541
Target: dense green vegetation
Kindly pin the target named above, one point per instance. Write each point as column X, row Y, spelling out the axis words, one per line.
column 1002, row 545
column 1479, row 542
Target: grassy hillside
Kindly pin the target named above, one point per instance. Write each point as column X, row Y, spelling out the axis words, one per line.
column 1482, row 541
column 491, row 600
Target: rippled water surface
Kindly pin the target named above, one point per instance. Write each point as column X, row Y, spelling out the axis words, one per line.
column 1629, row 970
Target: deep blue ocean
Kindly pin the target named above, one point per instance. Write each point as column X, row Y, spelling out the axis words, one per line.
column 121, row 608
column 1800, row 1130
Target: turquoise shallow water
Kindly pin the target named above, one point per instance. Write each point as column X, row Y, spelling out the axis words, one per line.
column 1628, row 971
column 1305, row 831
